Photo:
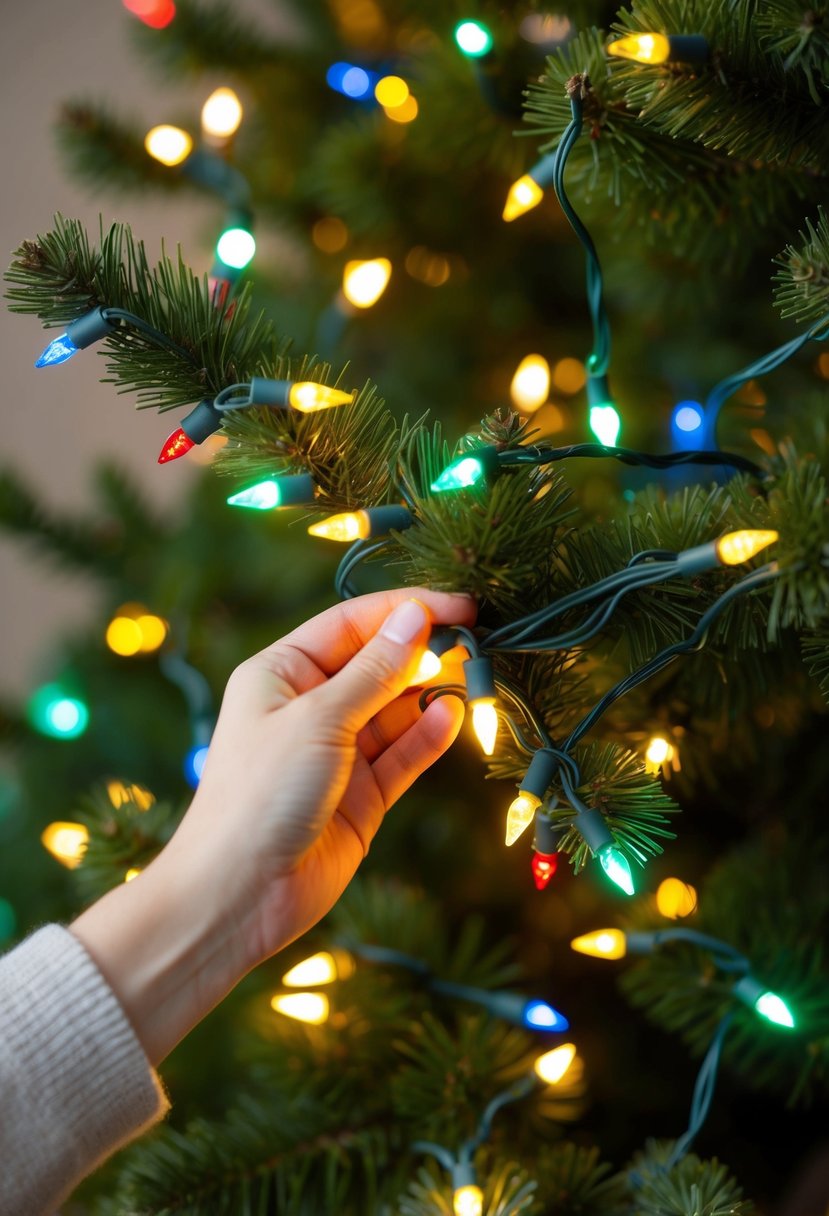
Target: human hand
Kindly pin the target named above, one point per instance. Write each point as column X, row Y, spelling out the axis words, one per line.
column 316, row 739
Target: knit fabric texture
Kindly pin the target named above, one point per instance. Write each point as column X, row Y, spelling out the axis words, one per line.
column 75, row 1084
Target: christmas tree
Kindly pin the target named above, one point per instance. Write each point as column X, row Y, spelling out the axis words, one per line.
column 644, row 527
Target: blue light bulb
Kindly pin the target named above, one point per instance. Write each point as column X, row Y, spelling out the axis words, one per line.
column 58, row 351
column 350, row 80
column 194, row 764
column 541, row 1016
column 687, row 424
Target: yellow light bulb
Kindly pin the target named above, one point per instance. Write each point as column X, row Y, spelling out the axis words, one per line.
column 120, row 794
column 569, row 375
column 659, row 752
column 428, row 667
column 66, row 842
column 530, row 386
column 737, row 547
column 365, row 282
column 523, row 196
column 221, row 114
column 468, row 1201
column 307, row 397
column 124, row 637
column 311, row 1007
column 350, row 526
column 391, row 92
column 321, row 968
column 552, row 1066
column 407, row 112
column 603, row 943
column 643, row 48
column 485, row 723
column 330, row 234
column 675, row 898
column 132, row 873
column 520, row 815
column 168, row 144
column 153, row 632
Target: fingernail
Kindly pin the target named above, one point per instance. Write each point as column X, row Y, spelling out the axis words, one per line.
column 405, row 623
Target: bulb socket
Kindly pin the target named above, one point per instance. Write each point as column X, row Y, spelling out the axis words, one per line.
column 202, row 421
column 593, row 830
column 547, row 836
column 463, row 1174
column 480, row 679
column 543, row 767
column 688, row 48
column 391, row 516
column 89, row 328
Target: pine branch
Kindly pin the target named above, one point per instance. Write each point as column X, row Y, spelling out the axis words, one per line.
column 127, row 828
column 509, row 1192
column 692, row 1187
column 815, row 648
column 802, row 289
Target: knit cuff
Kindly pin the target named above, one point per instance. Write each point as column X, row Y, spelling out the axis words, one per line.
column 74, row 1079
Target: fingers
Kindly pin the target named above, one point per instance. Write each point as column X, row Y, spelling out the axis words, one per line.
column 423, row 743
column 387, row 726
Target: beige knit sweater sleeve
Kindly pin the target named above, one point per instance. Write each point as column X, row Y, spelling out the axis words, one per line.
column 74, row 1081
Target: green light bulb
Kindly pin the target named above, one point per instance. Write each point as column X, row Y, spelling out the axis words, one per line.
column 775, row 1009
column 459, row 475
column 473, row 38
column 615, row 866
column 605, row 423
column 236, row 247
column 264, row 496
column 53, row 713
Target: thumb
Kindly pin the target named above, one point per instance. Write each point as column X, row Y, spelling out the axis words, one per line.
column 381, row 670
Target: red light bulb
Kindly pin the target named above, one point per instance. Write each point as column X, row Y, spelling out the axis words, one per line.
column 543, row 868
column 155, row 13
column 178, row 444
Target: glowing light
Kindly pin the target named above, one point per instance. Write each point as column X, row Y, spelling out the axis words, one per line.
column 468, row 1201
column 153, row 631
column 221, row 114
column 459, row 475
column 523, row 195
column 605, row 424
column 311, row 1007
column 544, row 28
column 194, row 763
column 67, row 842
column 54, row 713
column 307, row 396
column 321, row 968
column 737, row 547
column 553, row 1065
column 123, row 636
column 427, row 267
column 603, row 943
column 391, row 91
column 543, row 867
column 350, row 526
column 569, row 375
column 350, row 80
column 264, row 496
column 520, row 815
column 675, row 898
column 132, row 873
column 133, row 631
column 137, row 795
column 687, row 416
column 428, row 667
column 58, row 351
column 235, row 247
column 473, row 38
column 365, row 282
column 175, row 445
column 157, row 14
column 615, row 866
column 329, row 234
column 407, row 112
column 167, row 144
column 659, row 751
column 8, row 920
column 485, row 724
column 643, row 48
column 774, row 1009
column 542, row 1016
column 530, row 386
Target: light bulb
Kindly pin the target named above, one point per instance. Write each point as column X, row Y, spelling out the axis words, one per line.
column 602, row 943
column 473, row 38
column 772, row 1007
column 468, row 1201
column 391, row 92
column 350, row 526
column 543, row 866
column 264, row 496
column 615, row 866
column 605, row 423
column 194, row 763
column 132, row 873
column 157, row 14
column 67, row 842
column 58, row 351
column 350, row 80
column 428, row 667
column 541, row 1016
column 123, row 636
column 54, row 713
column 485, row 723
column 523, row 195
column 235, row 247
column 136, row 795
column 407, row 112
column 643, row 48
column 459, row 475
column 307, row 397
column 530, row 386
column 552, row 1066
column 167, row 144
column 687, row 418
column 175, row 445
column 321, row 968
column 311, row 1007
column 675, row 898
column 364, row 282
column 737, row 547
column 221, row 114
column 520, row 814
column 153, row 631
column 659, row 751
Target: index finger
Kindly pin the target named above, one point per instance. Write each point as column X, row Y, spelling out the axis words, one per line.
column 333, row 637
